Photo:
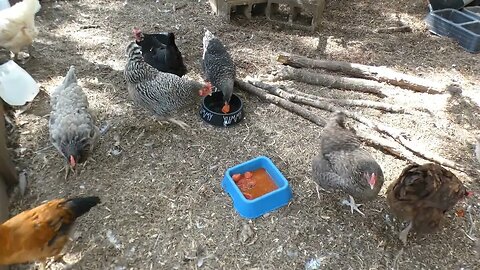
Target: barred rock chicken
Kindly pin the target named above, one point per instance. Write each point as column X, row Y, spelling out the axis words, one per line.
column 161, row 52
column 17, row 26
column 218, row 67
column 422, row 194
column 72, row 128
column 343, row 165
column 161, row 93
column 42, row 232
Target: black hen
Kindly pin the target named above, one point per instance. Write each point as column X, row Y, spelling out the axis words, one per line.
column 161, row 52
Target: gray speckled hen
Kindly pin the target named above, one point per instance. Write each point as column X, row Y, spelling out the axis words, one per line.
column 218, row 67
column 72, row 128
column 343, row 165
column 161, row 93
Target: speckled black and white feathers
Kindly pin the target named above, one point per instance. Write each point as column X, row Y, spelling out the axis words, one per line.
column 343, row 165
column 158, row 92
column 72, row 128
column 218, row 65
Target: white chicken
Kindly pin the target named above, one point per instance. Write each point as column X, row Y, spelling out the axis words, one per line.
column 17, row 26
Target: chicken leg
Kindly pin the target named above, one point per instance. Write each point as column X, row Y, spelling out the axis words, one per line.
column 353, row 205
column 404, row 233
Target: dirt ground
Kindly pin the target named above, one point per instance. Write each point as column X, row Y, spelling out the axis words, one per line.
column 162, row 203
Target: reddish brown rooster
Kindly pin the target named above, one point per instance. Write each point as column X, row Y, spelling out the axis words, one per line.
column 42, row 232
column 422, row 194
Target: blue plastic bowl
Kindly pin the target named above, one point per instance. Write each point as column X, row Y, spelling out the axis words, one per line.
column 266, row 203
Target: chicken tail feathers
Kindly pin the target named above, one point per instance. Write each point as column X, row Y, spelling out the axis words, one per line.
column 37, row 6
column 70, row 78
column 206, row 40
column 338, row 119
column 208, row 34
column 171, row 38
column 80, row 206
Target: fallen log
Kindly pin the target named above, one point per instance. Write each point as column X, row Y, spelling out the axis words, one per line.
column 396, row 134
column 353, row 84
column 394, row 29
column 282, row 103
column 344, row 102
column 377, row 73
column 369, row 139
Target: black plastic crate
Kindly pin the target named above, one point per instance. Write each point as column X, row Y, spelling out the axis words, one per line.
column 473, row 11
column 461, row 26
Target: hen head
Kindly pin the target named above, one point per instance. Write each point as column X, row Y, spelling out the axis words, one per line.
column 372, row 176
column 467, row 194
column 206, row 90
column 75, row 150
column 137, row 34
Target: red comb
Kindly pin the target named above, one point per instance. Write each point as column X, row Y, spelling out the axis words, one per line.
column 136, row 31
column 72, row 161
column 373, row 179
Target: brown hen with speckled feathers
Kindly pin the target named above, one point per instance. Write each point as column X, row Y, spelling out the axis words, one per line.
column 42, row 232
column 422, row 194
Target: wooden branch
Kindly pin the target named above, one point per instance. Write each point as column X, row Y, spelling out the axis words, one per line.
column 395, row 29
column 386, row 146
column 380, row 74
column 282, row 103
column 7, row 168
column 369, row 139
column 344, row 102
column 396, row 134
column 353, row 84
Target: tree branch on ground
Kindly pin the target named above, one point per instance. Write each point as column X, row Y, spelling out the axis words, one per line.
column 377, row 73
column 286, row 100
column 332, row 81
column 394, row 29
column 282, row 103
column 343, row 102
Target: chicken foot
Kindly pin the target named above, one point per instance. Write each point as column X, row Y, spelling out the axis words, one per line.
column 86, row 161
column 57, row 259
column 353, row 205
column 67, row 168
column 31, row 54
column 404, row 233
column 43, row 265
column 179, row 123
